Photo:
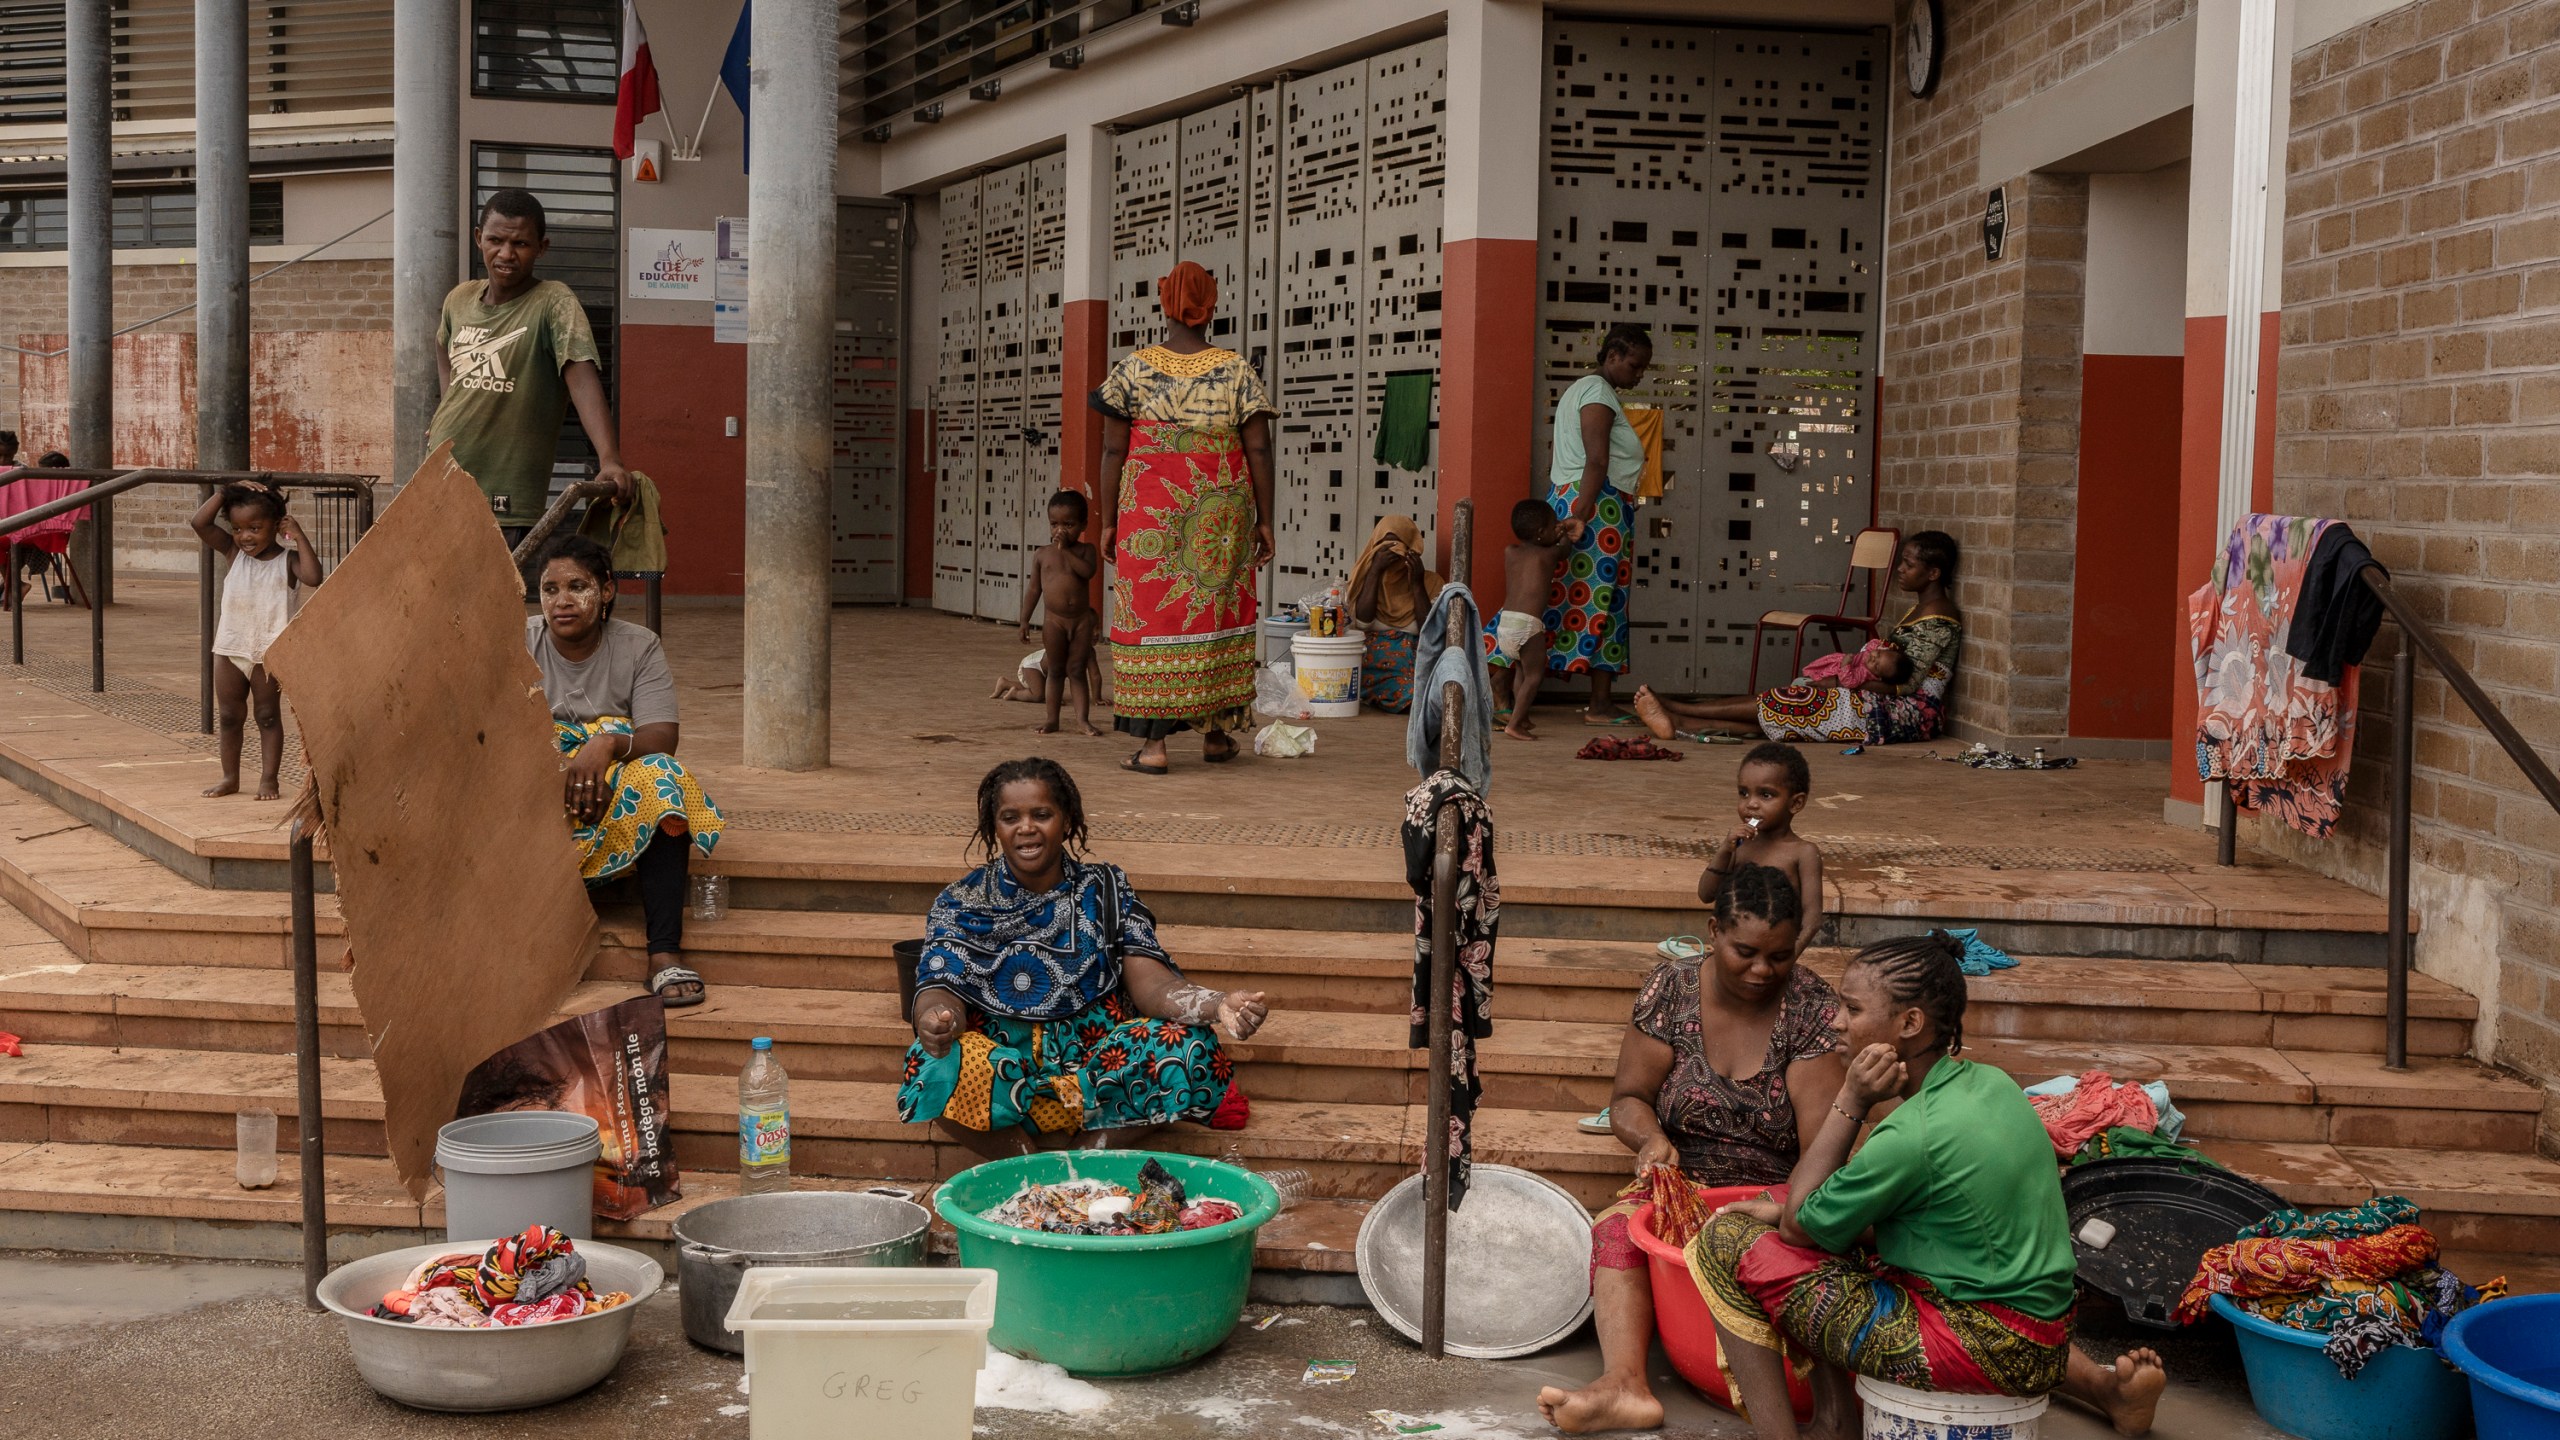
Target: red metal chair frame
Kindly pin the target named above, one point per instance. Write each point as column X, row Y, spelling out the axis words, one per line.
column 1878, row 587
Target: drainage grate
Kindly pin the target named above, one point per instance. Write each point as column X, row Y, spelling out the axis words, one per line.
column 158, row 711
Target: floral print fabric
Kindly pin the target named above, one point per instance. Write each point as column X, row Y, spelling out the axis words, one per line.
column 1863, row 717
column 646, row 790
column 1738, row 1130
column 1106, row 1067
column 2282, row 738
column 1479, row 915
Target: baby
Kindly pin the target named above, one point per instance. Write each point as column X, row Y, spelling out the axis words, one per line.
column 1520, row 631
column 1059, row 586
column 1876, row 660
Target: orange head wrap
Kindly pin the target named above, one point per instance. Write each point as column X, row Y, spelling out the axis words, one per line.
column 1189, row 295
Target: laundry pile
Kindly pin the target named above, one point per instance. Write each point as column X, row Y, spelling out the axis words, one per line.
column 2092, row 1117
column 1624, row 747
column 1098, row 1207
column 2367, row 1278
column 529, row 1279
column 1678, row 1215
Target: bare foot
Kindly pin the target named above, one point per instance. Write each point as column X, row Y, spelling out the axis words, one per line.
column 1001, row 687
column 267, row 790
column 1049, row 727
column 224, row 787
column 1649, row 710
column 1608, row 1403
column 1089, row 728
column 1516, row 733
column 2129, row 1390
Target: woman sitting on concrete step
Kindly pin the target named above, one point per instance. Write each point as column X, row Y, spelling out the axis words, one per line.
column 1726, row 1071
column 1047, row 1016
column 631, row 805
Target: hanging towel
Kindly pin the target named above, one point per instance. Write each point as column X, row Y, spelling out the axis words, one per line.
column 1478, row 914
column 1404, row 421
column 1437, row 660
column 2282, row 737
column 1646, row 421
column 633, row 532
column 2334, row 623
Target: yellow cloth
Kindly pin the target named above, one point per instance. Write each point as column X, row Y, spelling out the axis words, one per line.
column 634, row 533
column 1646, row 421
column 1398, row 607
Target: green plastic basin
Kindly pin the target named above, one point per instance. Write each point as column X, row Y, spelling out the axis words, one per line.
column 1110, row 1304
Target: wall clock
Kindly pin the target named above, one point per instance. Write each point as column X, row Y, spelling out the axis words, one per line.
column 1924, row 28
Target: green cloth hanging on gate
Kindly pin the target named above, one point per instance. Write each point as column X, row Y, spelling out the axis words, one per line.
column 1404, row 421
column 633, row 532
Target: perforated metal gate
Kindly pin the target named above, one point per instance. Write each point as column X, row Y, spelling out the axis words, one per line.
column 1723, row 187
column 865, row 491
column 999, row 355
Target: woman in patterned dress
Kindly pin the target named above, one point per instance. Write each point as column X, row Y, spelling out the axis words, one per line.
column 1879, row 712
column 1726, row 1071
column 1591, row 484
column 1046, row 1013
column 632, row 806
column 1186, row 501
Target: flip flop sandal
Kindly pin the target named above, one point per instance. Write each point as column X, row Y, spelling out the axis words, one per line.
column 1132, row 764
column 671, row 976
column 1681, row 947
column 1609, row 724
column 1593, row 1124
column 1218, row 757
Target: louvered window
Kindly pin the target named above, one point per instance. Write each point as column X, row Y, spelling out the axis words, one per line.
column 545, row 49
column 304, row 55
column 160, row 218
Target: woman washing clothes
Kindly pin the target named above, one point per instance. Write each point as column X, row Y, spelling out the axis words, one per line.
column 1873, row 711
column 1390, row 593
column 631, row 805
column 1968, row 1289
column 1726, row 1072
column 1047, row 1016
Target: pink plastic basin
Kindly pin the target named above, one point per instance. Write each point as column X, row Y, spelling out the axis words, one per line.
column 1680, row 1312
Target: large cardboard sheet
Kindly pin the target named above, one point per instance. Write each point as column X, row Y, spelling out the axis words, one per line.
column 428, row 735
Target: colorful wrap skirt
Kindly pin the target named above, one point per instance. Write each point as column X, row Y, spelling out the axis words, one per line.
column 1182, row 582
column 1586, row 614
column 1854, row 717
column 646, row 790
column 1864, row 1316
column 1386, row 670
column 1103, row 1068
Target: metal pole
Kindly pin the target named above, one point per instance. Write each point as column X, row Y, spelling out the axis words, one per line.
column 222, row 280
column 1462, row 542
column 790, row 319
column 306, row 1064
column 2404, row 705
column 2226, row 845
column 426, row 208
column 1444, row 966
column 90, row 80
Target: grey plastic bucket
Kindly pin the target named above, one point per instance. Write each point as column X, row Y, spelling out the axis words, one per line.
column 515, row 1168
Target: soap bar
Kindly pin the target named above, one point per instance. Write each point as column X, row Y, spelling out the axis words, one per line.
column 2096, row 1233
column 1108, row 1208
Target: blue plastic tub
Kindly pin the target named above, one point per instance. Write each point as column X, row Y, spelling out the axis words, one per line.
column 2511, row 1350
column 2401, row 1394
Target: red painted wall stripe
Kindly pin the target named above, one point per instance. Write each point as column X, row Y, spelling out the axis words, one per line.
column 1488, row 390
column 677, row 436
column 2125, row 612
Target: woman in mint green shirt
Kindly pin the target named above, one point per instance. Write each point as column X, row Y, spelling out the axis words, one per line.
column 1968, row 1288
column 1591, row 485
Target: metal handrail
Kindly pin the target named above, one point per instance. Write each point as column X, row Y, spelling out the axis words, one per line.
column 104, row 486
column 651, row 598
column 2416, row 637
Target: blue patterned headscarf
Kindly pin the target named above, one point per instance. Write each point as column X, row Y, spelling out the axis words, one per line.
column 1036, row 956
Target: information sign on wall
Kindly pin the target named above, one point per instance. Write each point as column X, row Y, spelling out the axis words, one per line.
column 669, row 265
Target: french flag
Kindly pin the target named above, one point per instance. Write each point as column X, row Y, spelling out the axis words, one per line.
column 635, row 94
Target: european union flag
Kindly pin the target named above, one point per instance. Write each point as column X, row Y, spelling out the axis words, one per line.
column 733, row 74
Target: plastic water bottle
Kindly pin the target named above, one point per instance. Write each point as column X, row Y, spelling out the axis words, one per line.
column 764, row 1122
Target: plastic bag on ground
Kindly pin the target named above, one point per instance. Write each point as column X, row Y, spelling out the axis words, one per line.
column 1276, row 693
column 1283, row 741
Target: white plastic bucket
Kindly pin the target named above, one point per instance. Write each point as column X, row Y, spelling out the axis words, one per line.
column 892, row 1352
column 1895, row 1412
column 515, row 1168
column 1328, row 669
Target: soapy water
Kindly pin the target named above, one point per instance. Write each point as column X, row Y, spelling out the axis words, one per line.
column 1009, row 1382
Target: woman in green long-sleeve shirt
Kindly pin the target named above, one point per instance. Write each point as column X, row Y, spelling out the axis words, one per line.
column 1969, row 1287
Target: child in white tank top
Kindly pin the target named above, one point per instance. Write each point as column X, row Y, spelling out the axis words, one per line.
column 272, row 563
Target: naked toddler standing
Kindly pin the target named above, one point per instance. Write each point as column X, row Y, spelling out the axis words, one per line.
column 1060, row 586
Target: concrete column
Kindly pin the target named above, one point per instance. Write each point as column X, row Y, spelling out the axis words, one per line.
column 92, row 259
column 791, row 269
column 222, row 235
column 1489, row 271
column 426, row 201
column 1087, row 305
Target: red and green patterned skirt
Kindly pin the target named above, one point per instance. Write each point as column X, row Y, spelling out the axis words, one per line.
column 1182, row 602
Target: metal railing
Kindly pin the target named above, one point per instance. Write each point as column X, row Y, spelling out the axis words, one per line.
column 355, row 491
column 1444, row 968
column 2416, row 637
column 651, row 600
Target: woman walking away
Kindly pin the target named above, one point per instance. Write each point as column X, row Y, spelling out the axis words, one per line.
column 1186, row 504
column 1591, row 484
column 1046, row 1014
column 1969, row 1289
column 631, row 805
column 272, row 564
column 1726, row 1072
column 1875, row 711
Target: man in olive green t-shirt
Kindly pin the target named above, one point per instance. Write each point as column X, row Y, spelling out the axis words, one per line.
column 514, row 353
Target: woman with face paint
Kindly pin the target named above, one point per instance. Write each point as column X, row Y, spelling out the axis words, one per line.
column 630, row 805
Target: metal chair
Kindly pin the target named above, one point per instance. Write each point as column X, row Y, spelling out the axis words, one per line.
column 1873, row 551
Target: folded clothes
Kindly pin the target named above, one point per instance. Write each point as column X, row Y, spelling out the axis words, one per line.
column 2256, row 1269
column 2095, row 1103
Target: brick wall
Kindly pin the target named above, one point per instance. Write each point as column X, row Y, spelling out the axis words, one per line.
column 1981, row 391
column 2418, row 399
column 155, row 400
